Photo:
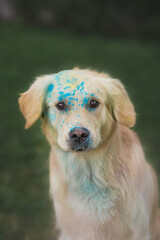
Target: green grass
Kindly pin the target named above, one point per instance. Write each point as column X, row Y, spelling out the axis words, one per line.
column 25, row 208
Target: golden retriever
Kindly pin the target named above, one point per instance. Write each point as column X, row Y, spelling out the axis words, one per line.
column 103, row 189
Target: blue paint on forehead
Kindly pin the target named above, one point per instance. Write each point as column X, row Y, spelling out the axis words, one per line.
column 63, row 95
column 67, row 88
column 80, row 86
column 68, row 81
column 63, row 75
column 50, row 87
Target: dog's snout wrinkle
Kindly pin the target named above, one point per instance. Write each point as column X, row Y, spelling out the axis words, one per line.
column 79, row 135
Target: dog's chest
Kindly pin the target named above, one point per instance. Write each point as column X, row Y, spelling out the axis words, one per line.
column 87, row 194
column 89, row 199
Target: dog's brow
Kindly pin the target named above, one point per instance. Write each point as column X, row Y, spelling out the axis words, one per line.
column 66, row 95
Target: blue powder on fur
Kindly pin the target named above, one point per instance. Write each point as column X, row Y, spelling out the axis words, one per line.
column 50, row 87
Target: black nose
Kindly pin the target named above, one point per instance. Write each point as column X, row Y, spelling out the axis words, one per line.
column 79, row 135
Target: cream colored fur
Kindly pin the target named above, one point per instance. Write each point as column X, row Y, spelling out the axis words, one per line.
column 108, row 192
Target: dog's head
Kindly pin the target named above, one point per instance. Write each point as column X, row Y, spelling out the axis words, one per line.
column 78, row 108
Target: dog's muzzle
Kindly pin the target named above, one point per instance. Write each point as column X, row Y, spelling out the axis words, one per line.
column 79, row 139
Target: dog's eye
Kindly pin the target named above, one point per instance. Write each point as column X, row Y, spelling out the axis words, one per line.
column 61, row 106
column 93, row 104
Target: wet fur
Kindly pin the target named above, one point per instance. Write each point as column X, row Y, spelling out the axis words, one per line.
column 109, row 192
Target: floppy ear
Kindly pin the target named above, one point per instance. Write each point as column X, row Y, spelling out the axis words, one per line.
column 31, row 101
column 122, row 107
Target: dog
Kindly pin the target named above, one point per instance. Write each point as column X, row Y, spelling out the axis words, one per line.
column 102, row 186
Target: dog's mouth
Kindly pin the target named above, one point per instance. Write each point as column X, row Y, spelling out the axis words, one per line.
column 80, row 150
column 79, row 147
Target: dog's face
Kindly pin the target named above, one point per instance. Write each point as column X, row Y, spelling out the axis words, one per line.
column 78, row 108
column 75, row 108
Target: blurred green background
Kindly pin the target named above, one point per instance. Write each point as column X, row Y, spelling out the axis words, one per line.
column 41, row 37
